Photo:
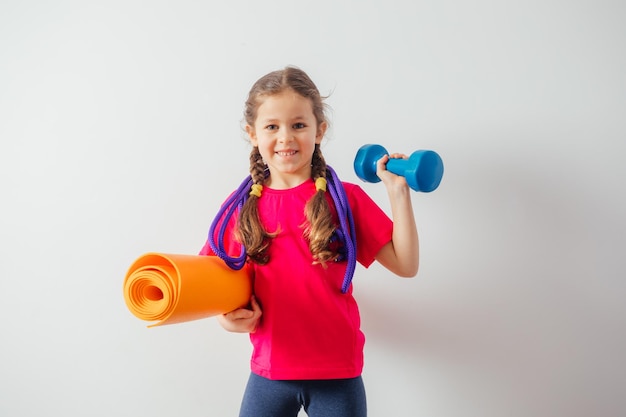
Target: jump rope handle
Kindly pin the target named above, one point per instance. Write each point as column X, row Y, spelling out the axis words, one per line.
column 423, row 170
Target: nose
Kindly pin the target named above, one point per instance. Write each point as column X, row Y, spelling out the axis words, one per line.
column 286, row 135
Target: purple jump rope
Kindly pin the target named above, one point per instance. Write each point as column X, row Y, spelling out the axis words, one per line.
column 345, row 233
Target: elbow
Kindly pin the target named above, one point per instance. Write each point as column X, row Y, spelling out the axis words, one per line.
column 404, row 265
column 408, row 271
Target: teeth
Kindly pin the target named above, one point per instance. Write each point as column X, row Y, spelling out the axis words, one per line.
column 286, row 153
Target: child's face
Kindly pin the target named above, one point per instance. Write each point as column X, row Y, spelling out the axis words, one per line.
column 286, row 131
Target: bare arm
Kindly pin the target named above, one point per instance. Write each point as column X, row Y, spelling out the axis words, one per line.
column 242, row 320
column 401, row 255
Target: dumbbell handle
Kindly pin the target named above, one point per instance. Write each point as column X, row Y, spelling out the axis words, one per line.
column 423, row 170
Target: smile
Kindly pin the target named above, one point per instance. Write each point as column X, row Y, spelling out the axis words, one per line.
column 286, row 153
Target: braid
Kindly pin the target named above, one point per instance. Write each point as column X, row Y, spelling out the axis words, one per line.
column 257, row 166
column 320, row 226
column 250, row 231
column 318, row 164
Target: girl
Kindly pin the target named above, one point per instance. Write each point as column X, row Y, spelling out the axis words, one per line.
column 305, row 331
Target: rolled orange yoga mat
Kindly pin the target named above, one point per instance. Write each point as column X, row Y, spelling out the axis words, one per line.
column 172, row 288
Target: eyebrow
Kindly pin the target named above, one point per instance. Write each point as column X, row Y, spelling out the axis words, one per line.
column 272, row 120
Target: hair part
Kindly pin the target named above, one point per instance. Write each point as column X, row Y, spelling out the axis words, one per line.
column 289, row 78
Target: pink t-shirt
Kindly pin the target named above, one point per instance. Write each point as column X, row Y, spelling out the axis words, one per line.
column 309, row 329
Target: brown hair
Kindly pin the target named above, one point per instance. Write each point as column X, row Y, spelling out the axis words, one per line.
column 319, row 226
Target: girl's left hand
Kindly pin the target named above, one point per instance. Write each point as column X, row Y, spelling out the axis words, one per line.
column 388, row 178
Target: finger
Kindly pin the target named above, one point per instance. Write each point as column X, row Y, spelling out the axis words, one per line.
column 239, row 314
column 254, row 304
column 381, row 164
column 256, row 308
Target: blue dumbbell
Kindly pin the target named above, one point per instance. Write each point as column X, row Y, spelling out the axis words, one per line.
column 423, row 170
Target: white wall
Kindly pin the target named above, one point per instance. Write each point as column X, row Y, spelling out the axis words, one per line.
column 120, row 134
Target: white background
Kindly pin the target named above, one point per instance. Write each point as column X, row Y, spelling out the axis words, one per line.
column 120, row 134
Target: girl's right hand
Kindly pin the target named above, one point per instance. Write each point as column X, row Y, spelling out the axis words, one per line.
column 242, row 320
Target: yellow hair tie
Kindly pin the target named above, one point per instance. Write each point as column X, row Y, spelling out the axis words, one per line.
column 320, row 184
column 256, row 190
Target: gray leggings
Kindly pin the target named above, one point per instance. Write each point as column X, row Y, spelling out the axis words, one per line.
column 320, row 398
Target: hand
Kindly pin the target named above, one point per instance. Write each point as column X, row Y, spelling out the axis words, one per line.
column 388, row 178
column 242, row 320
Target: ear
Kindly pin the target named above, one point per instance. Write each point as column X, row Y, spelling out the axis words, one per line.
column 251, row 135
column 321, row 130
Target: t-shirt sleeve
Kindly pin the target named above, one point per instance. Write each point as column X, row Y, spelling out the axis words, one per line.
column 206, row 249
column 372, row 225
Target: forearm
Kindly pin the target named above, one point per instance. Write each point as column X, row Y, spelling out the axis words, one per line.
column 405, row 240
column 401, row 255
column 405, row 237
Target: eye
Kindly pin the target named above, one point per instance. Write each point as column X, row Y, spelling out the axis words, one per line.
column 299, row 126
column 271, row 127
